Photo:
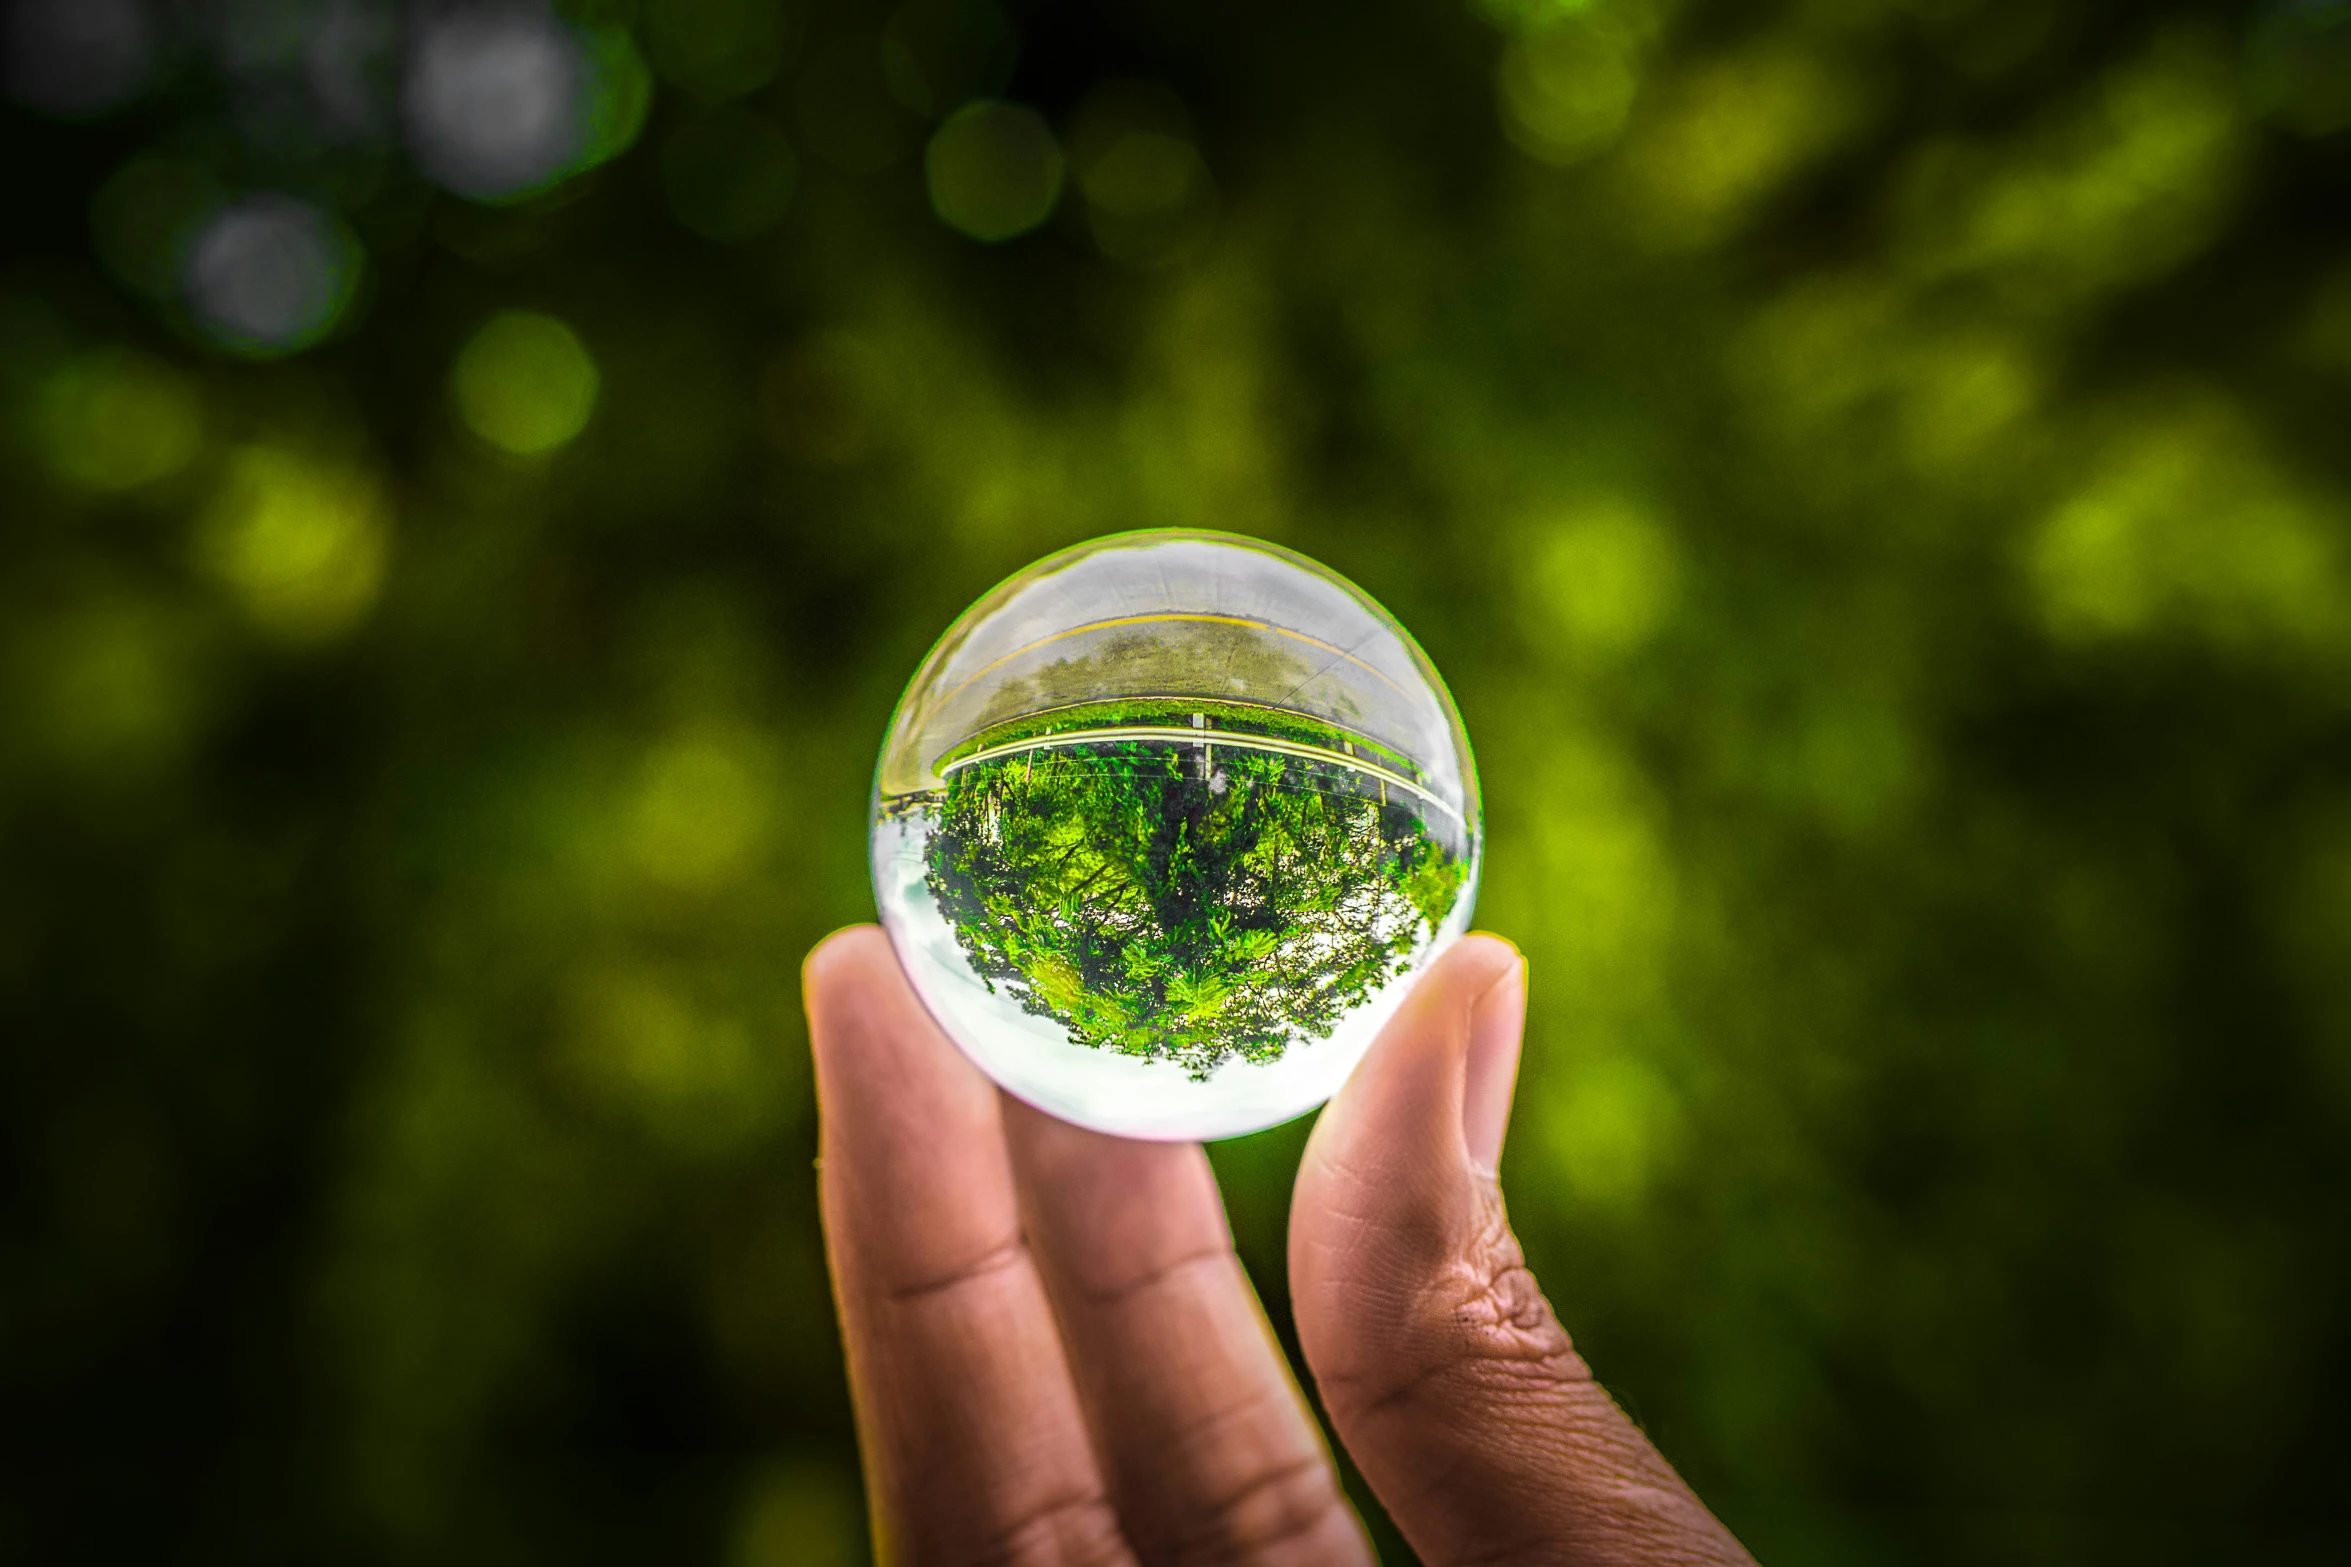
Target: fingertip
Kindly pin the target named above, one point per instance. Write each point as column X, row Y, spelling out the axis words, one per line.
column 890, row 1086
column 1494, row 938
column 1421, row 1116
column 867, row 1029
column 841, row 954
column 1485, row 957
column 1419, row 1052
column 1497, row 1028
column 1397, row 1139
column 837, row 989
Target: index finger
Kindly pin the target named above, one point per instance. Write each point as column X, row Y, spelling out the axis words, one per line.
column 975, row 1447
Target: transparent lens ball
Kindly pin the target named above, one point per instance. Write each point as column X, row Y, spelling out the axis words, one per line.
column 1165, row 827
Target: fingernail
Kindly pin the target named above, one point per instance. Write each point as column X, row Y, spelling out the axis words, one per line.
column 1491, row 1074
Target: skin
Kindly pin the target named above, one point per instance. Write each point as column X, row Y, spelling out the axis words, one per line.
column 1057, row 1359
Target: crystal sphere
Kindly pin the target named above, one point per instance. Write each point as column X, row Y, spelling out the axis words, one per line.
column 1164, row 828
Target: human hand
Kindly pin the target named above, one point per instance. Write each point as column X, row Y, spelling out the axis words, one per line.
column 1056, row 1357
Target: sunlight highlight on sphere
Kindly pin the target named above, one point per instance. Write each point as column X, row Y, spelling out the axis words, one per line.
column 994, row 170
column 496, row 103
column 1166, row 825
column 270, row 275
column 525, row 383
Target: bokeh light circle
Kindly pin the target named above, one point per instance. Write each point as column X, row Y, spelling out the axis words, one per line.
column 1164, row 828
column 1150, row 199
column 1566, row 90
column 117, row 420
column 496, row 102
column 994, row 170
column 299, row 540
column 525, row 383
column 719, row 49
column 270, row 275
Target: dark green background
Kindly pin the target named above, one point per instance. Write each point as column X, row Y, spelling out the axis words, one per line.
column 1882, row 509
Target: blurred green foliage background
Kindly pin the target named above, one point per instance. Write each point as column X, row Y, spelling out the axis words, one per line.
column 1873, row 472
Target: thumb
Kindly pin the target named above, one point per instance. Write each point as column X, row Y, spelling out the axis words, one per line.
column 1440, row 1362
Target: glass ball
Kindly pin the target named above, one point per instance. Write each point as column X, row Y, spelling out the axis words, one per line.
column 1166, row 825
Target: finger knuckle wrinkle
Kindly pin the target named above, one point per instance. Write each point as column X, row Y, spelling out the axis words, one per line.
column 1499, row 1314
column 1282, row 1503
column 1210, row 1429
column 1119, row 1293
column 1065, row 1531
column 1001, row 1256
column 1482, row 1317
